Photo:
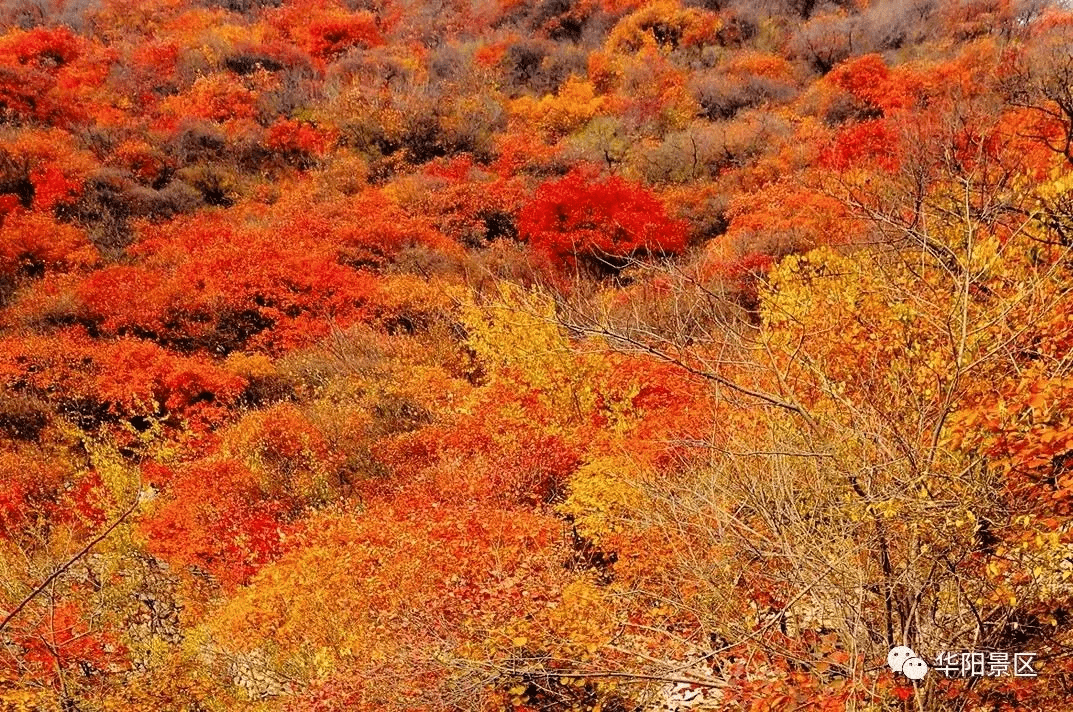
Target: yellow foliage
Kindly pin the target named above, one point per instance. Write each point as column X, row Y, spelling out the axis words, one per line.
column 25, row 700
column 369, row 585
column 250, row 365
column 557, row 116
column 517, row 329
column 575, row 626
column 602, row 494
column 863, row 330
column 664, row 23
column 517, row 339
column 118, row 475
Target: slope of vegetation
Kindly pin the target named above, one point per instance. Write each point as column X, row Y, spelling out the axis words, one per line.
column 533, row 355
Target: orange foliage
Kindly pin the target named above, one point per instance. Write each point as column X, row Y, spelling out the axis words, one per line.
column 216, row 97
column 415, row 575
column 33, row 243
column 435, row 400
column 56, row 167
column 780, row 218
column 759, row 64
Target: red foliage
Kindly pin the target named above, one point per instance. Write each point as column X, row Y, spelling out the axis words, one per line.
column 491, row 55
column 870, row 81
column 133, row 373
column 124, row 296
column 325, row 30
column 124, row 378
column 8, row 204
column 866, row 144
column 522, row 150
column 31, row 63
column 256, row 277
column 23, row 95
column 47, row 47
column 51, row 186
column 215, row 516
column 64, row 637
column 37, row 491
column 297, row 141
column 208, row 282
column 470, row 204
column 599, row 219
column 152, row 68
column 333, row 36
column 446, row 563
column 470, row 462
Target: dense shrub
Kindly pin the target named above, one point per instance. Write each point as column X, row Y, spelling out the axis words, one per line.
column 598, row 221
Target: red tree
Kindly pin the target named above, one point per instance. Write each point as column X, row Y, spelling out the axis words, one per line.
column 601, row 220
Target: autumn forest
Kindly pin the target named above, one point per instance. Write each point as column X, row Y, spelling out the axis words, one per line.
column 534, row 355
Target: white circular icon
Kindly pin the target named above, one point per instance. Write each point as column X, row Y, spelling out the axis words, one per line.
column 897, row 657
column 915, row 668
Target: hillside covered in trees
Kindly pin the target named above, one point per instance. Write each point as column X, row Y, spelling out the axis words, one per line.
column 534, row 355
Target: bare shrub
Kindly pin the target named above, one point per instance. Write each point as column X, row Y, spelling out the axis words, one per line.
column 28, row 14
column 705, row 149
column 175, row 198
column 23, row 417
column 722, row 96
column 540, row 67
column 830, row 38
column 824, row 42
